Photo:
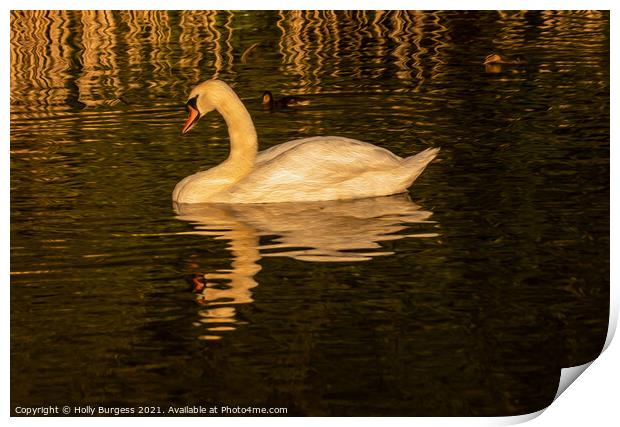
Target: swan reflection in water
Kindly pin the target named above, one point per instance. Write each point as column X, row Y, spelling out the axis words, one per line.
column 332, row 231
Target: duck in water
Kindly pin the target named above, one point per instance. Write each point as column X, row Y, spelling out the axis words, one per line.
column 283, row 103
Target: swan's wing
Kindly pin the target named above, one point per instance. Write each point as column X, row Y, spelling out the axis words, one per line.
column 327, row 151
column 317, row 169
column 270, row 153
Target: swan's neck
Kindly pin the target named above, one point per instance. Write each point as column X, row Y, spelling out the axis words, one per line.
column 243, row 139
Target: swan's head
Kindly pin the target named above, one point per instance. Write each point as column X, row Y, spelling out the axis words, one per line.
column 205, row 98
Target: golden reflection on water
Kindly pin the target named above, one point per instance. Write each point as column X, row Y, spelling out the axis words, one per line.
column 98, row 38
column 337, row 231
column 102, row 54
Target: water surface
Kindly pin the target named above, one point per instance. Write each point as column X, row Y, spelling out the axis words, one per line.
column 463, row 297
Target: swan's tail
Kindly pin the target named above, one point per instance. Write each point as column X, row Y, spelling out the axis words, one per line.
column 417, row 163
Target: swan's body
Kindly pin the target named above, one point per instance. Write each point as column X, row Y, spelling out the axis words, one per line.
column 309, row 169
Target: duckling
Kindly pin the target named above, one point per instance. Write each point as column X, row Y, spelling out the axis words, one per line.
column 282, row 103
column 496, row 58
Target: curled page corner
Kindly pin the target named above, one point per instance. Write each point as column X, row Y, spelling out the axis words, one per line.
column 569, row 375
column 614, row 303
column 518, row 419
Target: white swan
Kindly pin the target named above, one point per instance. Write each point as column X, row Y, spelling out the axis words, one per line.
column 309, row 169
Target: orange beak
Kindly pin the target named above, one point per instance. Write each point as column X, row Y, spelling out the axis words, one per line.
column 192, row 119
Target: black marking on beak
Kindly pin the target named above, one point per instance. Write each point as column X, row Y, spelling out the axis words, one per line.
column 192, row 103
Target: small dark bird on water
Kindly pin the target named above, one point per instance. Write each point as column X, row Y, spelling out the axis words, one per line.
column 496, row 58
column 282, row 103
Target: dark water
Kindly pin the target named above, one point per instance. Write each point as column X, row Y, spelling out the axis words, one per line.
column 465, row 297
